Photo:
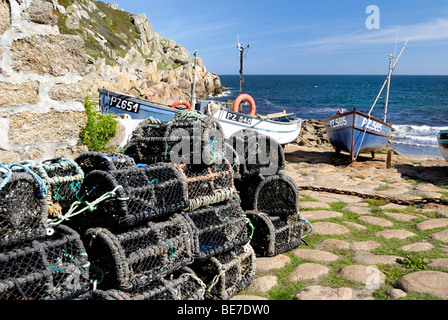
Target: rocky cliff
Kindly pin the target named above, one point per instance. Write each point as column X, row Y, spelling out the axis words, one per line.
column 125, row 53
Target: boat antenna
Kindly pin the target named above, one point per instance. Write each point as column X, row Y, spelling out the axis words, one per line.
column 193, row 95
column 241, row 49
column 387, row 79
column 388, row 88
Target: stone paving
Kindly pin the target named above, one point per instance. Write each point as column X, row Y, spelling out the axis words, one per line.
column 360, row 249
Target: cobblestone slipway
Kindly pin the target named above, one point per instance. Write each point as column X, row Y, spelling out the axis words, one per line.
column 362, row 249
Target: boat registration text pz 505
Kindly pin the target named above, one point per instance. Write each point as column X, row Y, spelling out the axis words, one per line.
column 238, row 118
column 124, row 104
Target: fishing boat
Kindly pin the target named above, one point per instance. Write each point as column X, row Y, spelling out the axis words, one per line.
column 356, row 132
column 442, row 138
column 282, row 126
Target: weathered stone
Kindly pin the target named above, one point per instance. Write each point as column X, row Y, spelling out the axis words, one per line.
column 71, row 151
column 335, row 244
column 41, row 12
column 320, row 214
column 368, row 275
column 27, row 127
column 432, row 282
column 329, row 228
column 268, row 263
column 396, row 293
column 417, row 247
column 264, row 284
column 375, row 221
column 364, row 257
column 396, row 233
column 17, row 94
column 367, row 245
column 432, row 224
column 5, row 16
column 314, row 205
column 69, row 92
column 308, row 271
column 400, row 216
column 441, row 235
column 355, row 225
column 7, row 157
column 325, row 293
column 316, row 255
column 439, row 263
column 357, row 209
column 55, row 55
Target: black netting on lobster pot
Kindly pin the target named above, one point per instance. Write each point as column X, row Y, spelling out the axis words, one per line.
column 258, row 153
column 179, row 285
column 188, row 138
column 132, row 259
column 108, row 161
column 217, row 228
column 273, row 235
column 228, row 273
column 275, row 195
column 23, row 207
column 52, row 269
column 207, row 184
column 63, row 178
column 139, row 195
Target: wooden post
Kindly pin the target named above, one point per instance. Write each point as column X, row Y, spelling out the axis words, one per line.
column 389, row 159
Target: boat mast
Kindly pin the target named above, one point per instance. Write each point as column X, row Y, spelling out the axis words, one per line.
column 388, row 88
column 241, row 49
column 193, row 95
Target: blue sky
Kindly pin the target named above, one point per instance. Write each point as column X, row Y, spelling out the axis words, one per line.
column 305, row 37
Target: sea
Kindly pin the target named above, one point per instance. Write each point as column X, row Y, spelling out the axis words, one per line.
column 417, row 108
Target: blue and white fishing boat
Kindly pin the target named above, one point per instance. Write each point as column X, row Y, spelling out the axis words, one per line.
column 442, row 139
column 356, row 132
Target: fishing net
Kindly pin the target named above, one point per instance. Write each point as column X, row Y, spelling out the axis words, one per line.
column 63, row 178
column 90, row 161
column 258, row 153
column 227, row 273
column 207, row 184
column 274, row 235
column 188, row 138
column 128, row 197
column 23, row 206
column 52, row 269
column 275, row 195
column 217, row 228
column 182, row 284
column 133, row 259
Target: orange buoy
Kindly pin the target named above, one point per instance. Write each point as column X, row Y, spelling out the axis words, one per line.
column 248, row 98
column 179, row 102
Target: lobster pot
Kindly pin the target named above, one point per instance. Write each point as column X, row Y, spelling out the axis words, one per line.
column 23, row 208
column 133, row 259
column 90, row 161
column 53, row 269
column 273, row 235
column 207, row 184
column 228, row 273
column 180, row 285
column 275, row 195
column 63, row 178
column 258, row 153
column 217, row 228
column 188, row 138
column 138, row 195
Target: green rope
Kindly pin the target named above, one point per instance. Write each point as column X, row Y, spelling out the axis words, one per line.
column 171, row 245
column 91, row 206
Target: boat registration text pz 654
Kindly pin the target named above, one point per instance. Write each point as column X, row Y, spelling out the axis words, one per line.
column 123, row 104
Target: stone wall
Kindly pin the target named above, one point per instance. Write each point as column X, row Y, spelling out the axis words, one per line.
column 42, row 87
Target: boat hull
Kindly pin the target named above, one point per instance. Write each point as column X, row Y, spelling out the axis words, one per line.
column 356, row 132
column 442, row 139
column 283, row 130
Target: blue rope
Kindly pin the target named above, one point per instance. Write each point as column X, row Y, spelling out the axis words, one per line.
column 6, row 175
column 42, row 188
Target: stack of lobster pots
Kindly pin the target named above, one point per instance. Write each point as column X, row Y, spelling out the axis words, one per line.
column 38, row 260
column 164, row 220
